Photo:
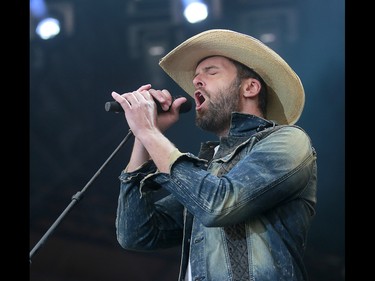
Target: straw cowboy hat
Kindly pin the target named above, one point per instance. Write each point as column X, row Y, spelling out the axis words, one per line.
column 286, row 95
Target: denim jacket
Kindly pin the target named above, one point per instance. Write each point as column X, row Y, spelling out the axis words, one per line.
column 240, row 214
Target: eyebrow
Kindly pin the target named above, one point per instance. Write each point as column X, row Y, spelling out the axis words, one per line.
column 207, row 68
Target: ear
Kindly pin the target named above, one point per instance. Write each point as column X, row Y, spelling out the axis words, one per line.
column 251, row 87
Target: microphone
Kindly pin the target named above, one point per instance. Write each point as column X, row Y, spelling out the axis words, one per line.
column 116, row 106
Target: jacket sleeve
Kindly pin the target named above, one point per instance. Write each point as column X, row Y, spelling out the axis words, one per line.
column 146, row 220
column 276, row 169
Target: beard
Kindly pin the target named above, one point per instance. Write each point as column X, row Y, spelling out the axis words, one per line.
column 218, row 116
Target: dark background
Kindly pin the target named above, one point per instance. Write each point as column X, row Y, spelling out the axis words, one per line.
column 103, row 48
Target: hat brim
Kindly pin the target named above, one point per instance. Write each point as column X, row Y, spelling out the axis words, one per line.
column 286, row 93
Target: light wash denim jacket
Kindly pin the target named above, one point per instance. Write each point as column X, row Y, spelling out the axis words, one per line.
column 242, row 215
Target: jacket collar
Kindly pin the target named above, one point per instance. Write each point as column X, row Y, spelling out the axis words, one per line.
column 242, row 127
column 245, row 125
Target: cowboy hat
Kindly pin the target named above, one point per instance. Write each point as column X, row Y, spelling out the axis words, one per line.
column 286, row 95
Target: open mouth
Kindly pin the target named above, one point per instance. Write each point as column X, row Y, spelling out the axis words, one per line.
column 199, row 99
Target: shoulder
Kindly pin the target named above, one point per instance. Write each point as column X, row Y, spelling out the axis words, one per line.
column 289, row 135
column 287, row 130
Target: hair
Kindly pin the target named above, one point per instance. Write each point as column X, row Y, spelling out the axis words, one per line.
column 244, row 72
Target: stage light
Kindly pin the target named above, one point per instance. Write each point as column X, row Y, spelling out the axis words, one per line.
column 195, row 10
column 48, row 28
column 50, row 20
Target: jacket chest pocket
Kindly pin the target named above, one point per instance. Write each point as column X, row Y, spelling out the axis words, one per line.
column 223, row 165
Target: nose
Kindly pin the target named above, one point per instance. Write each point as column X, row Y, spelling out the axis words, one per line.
column 197, row 81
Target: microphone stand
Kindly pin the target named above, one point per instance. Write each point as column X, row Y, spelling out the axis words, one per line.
column 76, row 197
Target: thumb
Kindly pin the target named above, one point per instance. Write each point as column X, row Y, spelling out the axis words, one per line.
column 181, row 104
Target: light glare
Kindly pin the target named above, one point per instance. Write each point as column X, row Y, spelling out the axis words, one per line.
column 195, row 12
column 48, row 28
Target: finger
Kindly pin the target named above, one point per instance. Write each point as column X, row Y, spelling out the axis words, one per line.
column 121, row 100
column 140, row 99
column 177, row 104
column 143, row 96
column 167, row 95
column 163, row 97
column 144, row 87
